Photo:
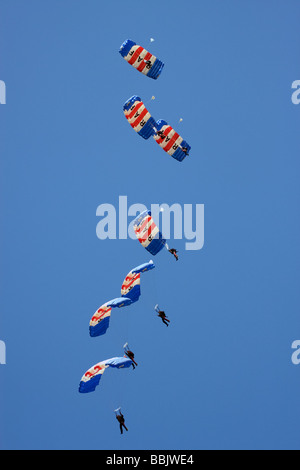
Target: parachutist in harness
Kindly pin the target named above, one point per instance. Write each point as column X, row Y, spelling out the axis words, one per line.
column 161, row 134
column 130, row 355
column 121, row 419
column 148, row 64
column 174, row 252
column 162, row 315
column 185, row 150
column 164, row 318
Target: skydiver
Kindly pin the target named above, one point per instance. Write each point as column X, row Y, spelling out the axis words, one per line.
column 174, row 252
column 163, row 316
column 130, row 355
column 161, row 134
column 121, row 419
column 185, row 150
column 148, row 64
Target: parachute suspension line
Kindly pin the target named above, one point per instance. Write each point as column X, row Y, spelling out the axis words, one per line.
column 112, row 402
column 156, row 290
column 128, row 324
column 124, row 388
column 119, row 384
column 116, row 400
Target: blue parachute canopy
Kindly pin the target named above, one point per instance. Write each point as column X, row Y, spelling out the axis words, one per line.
column 119, row 302
column 100, row 320
column 148, row 233
column 131, row 286
column 91, row 378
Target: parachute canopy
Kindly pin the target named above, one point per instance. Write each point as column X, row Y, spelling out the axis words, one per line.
column 145, row 125
column 170, row 141
column 139, row 117
column 141, row 59
column 91, row 378
column 100, row 320
column 148, row 233
column 131, row 285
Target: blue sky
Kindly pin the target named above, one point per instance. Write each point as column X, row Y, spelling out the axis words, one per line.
column 221, row 376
